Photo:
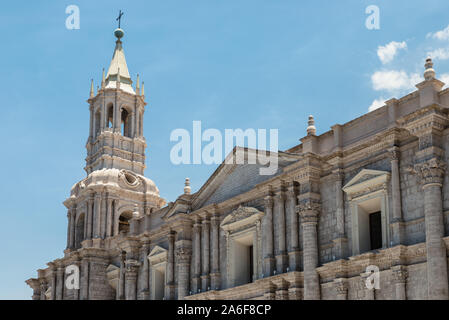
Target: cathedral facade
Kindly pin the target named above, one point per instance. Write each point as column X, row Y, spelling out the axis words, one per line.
column 365, row 203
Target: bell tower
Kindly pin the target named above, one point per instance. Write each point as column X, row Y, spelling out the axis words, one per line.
column 101, row 206
column 116, row 118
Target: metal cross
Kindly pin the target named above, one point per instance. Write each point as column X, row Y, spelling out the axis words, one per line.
column 119, row 18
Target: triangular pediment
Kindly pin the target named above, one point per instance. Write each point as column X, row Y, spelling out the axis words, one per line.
column 366, row 178
column 156, row 251
column 157, row 255
column 240, row 217
column 231, row 179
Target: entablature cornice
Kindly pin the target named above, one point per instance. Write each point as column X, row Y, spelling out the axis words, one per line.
column 426, row 120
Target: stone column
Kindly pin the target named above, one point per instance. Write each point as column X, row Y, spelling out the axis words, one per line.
column 170, row 278
column 91, row 123
column 43, row 289
column 121, row 279
column 309, row 212
column 183, row 253
column 340, row 242
column 397, row 222
column 59, row 283
column 76, row 292
column 103, row 215
column 97, row 215
column 73, row 227
column 53, row 281
column 431, row 175
column 90, row 202
column 268, row 237
column 70, row 224
column 400, row 278
column 134, row 225
column 109, row 222
column 341, row 288
column 84, row 280
column 145, row 278
column 102, row 114
column 196, row 256
column 147, row 219
column 293, row 253
column 132, row 268
column 205, row 278
column 116, row 215
column 281, row 257
column 133, row 124
column 215, row 276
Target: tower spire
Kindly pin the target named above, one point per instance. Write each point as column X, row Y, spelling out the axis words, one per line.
column 91, row 95
column 102, row 80
column 137, row 85
column 118, row 69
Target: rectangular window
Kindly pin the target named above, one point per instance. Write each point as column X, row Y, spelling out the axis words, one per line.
column 375, row 230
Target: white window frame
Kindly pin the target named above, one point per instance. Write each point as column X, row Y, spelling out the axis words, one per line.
column 366, row 186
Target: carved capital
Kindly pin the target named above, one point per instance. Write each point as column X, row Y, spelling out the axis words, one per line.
column 394, row 153
column 430, row 171
column 268, row 200
column 183, row 254
column 338, row 175
column 341, row 286
column 132, row 266
column 309, row 210
column 280, row 196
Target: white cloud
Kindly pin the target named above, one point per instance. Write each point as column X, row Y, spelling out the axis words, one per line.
column 439, row 54
column 394, row 81
column 440, row 35
column 387, row 53
column 377, row 103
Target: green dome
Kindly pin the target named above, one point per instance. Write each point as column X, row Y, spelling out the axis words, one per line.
column 119, row 33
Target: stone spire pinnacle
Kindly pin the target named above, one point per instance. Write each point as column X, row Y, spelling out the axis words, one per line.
column 118, row 69
column 137, row 85
column 103, row 82
column 429, row 74
column 143, row 89
column 311, row 129
column 187, row 188
column 91, row 95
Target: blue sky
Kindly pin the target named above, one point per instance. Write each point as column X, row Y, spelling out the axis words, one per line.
column 230, row 64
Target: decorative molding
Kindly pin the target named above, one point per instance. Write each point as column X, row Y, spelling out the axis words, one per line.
column 365, row 182
column 430, row 172
column 241, row 217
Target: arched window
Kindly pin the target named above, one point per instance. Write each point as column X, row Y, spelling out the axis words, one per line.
column 110, row 116
column 123, row 221
column 79, row 231
column 126, row 123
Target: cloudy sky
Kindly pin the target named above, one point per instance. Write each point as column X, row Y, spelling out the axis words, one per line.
column 230, row 64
